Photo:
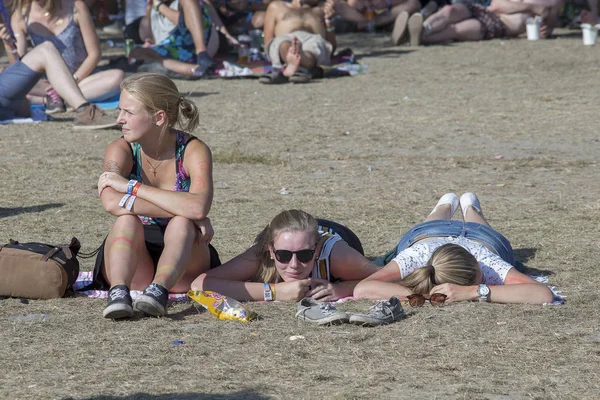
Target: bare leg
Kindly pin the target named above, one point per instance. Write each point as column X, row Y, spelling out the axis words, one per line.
column 410, row 6
column 126, row 259
column 472, row 215
column 145, row 31
column 192, row 16
column 45, row 58
column 295, row 57
column 446, row 16
column 469, row 30
column 441, row 212
column 183, row 259
column 101, row 85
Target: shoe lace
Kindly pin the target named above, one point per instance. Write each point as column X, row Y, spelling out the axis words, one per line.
column 154, row 291
column 117, row 293
column 382, row 307
column 327, row 308
column 54, row 97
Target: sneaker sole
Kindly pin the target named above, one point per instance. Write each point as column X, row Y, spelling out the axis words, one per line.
column 118, row 311
column 55, row 111
column 149, row 306
column 415, row 29
column 332, row 320
column 366, row 321
column 400, row 28
column 93, row 127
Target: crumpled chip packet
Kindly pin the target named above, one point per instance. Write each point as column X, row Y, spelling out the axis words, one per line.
column 222, row 306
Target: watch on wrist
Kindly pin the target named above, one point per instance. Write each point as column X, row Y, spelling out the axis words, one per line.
column 157, row 4
column 483, row 291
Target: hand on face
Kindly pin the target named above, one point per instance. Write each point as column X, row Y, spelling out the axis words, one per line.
column 113, row 180
column 454, row 292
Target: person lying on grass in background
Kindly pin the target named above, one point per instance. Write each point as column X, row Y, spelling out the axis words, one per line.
column 290, row 260
column 157, row 181
column 22, row 75
column 451, row 260
column 298, row 37
column 473, row 22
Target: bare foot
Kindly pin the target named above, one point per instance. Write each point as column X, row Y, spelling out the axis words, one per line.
column 293, row 57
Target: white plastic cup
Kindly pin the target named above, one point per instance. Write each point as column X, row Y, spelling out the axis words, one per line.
column 590, row 34
column 533, row 29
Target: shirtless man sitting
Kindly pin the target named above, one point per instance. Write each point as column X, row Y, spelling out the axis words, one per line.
column 473, row 22
column 297, row 35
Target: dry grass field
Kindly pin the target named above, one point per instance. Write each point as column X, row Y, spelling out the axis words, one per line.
column 513, row 121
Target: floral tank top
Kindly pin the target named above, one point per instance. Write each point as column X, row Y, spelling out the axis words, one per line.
column 182, row 179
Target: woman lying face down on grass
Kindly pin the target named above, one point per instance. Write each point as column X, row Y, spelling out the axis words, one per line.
column 460, row 260
column 289, row 260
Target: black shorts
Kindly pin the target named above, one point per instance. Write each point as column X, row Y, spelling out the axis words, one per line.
column 132, row 31
column 154, row 236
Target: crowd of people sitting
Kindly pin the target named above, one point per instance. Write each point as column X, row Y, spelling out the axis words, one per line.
column 183, row 38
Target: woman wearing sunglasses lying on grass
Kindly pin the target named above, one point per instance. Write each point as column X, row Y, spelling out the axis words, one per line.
column 451, row 261
column 292, row 259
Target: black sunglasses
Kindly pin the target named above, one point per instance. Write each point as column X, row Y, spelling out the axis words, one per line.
column 285, row 256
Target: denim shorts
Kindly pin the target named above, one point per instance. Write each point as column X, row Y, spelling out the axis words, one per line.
column 456, row 228
column 15, row 82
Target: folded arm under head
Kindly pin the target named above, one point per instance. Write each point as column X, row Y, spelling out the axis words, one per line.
column 452, row 270
column 293, row 231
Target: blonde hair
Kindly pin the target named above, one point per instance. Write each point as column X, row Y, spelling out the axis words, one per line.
column 157, row 92
column 450, row 263
column 285, row 221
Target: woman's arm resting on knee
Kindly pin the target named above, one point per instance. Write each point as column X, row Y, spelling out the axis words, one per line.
column 90, row 40
column 196, row 203
column 117, row 163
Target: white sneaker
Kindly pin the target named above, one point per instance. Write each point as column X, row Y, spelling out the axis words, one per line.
column 470, row 199
column 448, row 198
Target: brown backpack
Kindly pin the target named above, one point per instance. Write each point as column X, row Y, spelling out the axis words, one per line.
column 38, row 270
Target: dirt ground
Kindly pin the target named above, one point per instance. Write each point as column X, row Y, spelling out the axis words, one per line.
column 513, row 121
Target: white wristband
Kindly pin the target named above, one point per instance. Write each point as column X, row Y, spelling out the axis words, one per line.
column 130, row 203
column 123, row 200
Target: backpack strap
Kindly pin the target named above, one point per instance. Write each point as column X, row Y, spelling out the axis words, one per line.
column 50, row 253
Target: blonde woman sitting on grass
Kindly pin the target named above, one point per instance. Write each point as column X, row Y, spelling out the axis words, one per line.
column 448, row 260
column 157, row 181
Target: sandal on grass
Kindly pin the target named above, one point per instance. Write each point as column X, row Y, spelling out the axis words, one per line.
column 301, row 76
column 275, row 77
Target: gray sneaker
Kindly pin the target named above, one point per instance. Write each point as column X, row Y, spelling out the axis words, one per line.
column 320, row 313
column 93, row 117
column 382, row 313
